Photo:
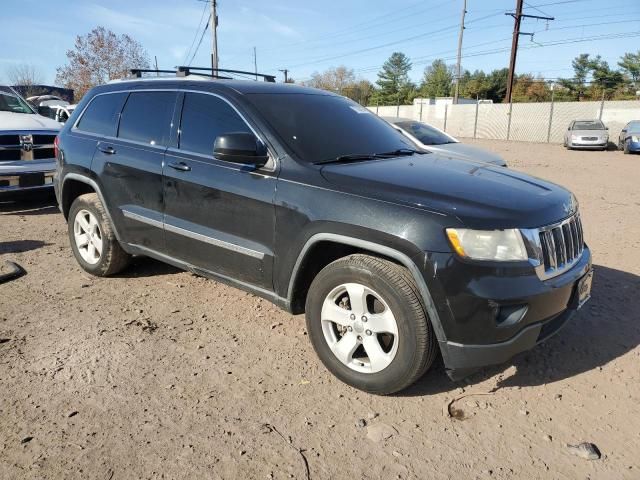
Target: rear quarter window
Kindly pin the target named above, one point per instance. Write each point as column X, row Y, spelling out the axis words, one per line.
column 101, row 116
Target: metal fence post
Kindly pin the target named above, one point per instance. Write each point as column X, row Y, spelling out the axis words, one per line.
column 446, row 105
column 398, row 106
column 550, row 119
column 475, row 122
column 509, row 124
column 421, row 104
column 601, row 105
column 377, row 106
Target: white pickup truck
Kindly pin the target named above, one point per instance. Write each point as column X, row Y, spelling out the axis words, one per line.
column 27, row 158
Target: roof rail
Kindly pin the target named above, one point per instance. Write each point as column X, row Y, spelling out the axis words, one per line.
column 137, row 72
column 186, row 70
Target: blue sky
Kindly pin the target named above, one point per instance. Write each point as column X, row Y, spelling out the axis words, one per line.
column 312, row 36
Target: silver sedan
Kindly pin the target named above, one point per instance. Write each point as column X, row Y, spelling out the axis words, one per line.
column 587, row 134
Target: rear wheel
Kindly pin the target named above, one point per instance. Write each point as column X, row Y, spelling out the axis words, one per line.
column 92, row 239
column 368, row 325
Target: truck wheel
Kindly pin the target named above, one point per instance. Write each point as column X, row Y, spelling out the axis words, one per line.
column 368, row 325
column 93, row 242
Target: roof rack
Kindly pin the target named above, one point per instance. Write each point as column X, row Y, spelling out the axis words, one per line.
column 184, row 71
column 137, row 72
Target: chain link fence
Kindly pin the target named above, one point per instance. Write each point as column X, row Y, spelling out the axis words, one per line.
column 526, row 122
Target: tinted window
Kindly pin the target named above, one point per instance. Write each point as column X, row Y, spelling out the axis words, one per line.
column 204, row 117
column 101, row 116
column 320, row 127
column 426, row 134
column 146, row 117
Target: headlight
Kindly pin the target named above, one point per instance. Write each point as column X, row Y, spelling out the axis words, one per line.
column 574, row 137
column 501, row 245
column 606, row 138
column 635, row 138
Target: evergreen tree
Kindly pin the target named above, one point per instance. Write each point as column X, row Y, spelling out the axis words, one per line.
column 437, row 80
column 393, row 81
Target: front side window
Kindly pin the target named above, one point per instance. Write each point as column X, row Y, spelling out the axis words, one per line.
column 101, row 116
column 205, row 117
column 146, row 117
column 425, row 133
column 319, row 128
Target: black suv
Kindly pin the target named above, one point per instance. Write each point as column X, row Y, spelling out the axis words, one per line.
column 308, row 199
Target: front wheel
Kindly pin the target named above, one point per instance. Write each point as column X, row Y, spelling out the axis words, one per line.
column 367, row 323
column 92, row 239
column 626, row 147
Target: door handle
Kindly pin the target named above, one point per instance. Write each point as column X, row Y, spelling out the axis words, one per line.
column 181, row 166
column 108, row 149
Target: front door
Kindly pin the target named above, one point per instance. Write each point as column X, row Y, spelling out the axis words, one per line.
column 218, row 216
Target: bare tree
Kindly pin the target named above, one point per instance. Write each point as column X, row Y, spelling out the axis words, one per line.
column 98, row 57
column 25, row 75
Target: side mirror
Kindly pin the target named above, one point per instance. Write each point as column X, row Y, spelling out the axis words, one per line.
column 624, row 130
column 44, row 111
column 242, row 148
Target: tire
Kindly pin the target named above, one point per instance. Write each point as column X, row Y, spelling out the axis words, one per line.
column 626, row 147
column 386, row 293
column 93, row 241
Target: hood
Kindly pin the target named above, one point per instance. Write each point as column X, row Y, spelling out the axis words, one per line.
column 26, row 121
column 480, row 195
column 469, row 152
column 589, row 133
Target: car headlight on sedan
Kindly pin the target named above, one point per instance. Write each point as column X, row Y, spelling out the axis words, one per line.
column 497, row 245
column 635, row 138
column 574, row 138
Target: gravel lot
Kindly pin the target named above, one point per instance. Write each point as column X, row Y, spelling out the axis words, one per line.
column 158, row 373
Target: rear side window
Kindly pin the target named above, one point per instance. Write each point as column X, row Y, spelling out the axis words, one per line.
column 205, row 117
column 101, row 116
column 146, row 117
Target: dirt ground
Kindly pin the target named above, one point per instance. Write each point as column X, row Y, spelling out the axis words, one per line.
column 158, row 373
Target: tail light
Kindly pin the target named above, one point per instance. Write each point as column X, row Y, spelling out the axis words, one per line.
column 56, row 149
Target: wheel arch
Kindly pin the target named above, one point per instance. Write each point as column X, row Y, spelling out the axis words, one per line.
column 339, row 246
column 74, row 185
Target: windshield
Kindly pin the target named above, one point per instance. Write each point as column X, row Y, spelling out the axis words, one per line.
column 426, row 134
column 633, row 127
column 590, row 125
column 319, row 128
column 10, row 102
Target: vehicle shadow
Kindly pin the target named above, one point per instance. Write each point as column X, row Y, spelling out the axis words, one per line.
column 142, row 267
column 19, row 246
column 606, row 328
column 36, row 203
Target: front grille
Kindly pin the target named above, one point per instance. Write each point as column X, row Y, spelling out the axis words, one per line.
column 43, row 139
column 562, row 245
column 43, row 153
column 590, row 139
column 9, row 140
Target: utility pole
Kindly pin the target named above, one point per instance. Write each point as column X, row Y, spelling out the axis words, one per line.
column 255, row 63
column 517, row 16
column 214, row 34
column 464, row 11
column 286, row 73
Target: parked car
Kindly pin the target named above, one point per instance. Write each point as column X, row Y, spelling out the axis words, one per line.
column 629, row 139
column 433, row 139
column 308, row 199
column 63, row 112
column 586, row 134
column 27, row 159
column 47, row 105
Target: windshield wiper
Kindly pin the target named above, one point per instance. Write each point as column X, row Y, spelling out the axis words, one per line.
column 400, row 152
column 358, row 157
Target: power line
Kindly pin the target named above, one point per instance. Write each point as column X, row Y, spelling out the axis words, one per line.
column 195, row 35
column 199, row 43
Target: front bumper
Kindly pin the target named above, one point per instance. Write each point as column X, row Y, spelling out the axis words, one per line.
column 489, row 314
column 22, row 176
column 589, row 146
column 634, row 147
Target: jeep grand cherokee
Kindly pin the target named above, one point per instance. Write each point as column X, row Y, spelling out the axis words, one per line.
column 308, row 199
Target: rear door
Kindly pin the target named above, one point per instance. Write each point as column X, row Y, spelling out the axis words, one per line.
column 219, row 216
column 130, row 167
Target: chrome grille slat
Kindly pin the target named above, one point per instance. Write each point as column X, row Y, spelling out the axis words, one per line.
column 561, row 245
